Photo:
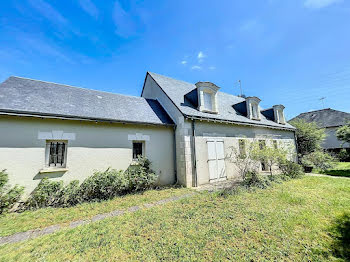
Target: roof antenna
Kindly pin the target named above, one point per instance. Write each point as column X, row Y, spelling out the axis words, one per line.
column 240, row 88
column 322, row 100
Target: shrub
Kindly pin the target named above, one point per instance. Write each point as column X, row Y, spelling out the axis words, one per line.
column 8, row 196
column 343, row 155
column 291, row 169
column 141, row 177
column 100, row 186
column 257, row 181
column 69, row 195
column 104, row 185
column 45, row 194
column 318, row 159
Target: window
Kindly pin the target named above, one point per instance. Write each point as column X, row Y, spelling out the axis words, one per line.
column 275, row 145
column 56, row 153
column 137, row 149
column 242, row 152
column 207, row 101
column 262, row 145
column 254, row 108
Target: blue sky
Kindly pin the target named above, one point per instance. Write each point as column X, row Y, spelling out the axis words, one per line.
column 292, row 52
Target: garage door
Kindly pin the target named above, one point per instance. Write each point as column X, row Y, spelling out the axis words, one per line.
column 216, row 160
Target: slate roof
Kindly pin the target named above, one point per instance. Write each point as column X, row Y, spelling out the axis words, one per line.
column 325, row 118
column 33, row 97
column 176, row 90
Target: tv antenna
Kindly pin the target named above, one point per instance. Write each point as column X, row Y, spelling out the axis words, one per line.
column 240, row 87
column 322, row 100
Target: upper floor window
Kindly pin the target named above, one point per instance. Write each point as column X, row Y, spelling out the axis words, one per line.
column 207, row 97
column 253, row 107
column 279, row 114
column 208, row 105
column 56, row 153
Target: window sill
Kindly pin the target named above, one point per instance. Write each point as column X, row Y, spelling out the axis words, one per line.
column 53, row 170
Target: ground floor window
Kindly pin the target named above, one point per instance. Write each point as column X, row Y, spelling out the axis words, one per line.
column 56, row 153
column 138, row 148
column 262, row 145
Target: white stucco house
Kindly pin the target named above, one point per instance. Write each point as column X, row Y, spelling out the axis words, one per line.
column 186, row 130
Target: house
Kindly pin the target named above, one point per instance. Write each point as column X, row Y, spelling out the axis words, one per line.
column 186, row 130
column 330, row 120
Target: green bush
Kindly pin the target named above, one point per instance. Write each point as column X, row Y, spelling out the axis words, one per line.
column 291, row 169
column 8, row 196
column 253, row 180
column 100, row 186
column 343, row 155
column 318, row 159
column 141, row 177
column 45, row 194
column 104, row 185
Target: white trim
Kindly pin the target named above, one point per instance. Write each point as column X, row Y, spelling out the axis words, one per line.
column 56, row 135
column 138, row 137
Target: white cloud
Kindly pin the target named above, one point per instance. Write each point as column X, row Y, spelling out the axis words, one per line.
column 125, row 26
column 89, row 7
column 196, row 67
column 184, row 62
column 316, row 4
column 212, row 67
column 201, row 55
column 48, row 11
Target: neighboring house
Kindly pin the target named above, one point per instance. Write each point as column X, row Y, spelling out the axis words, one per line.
column 330, row 120
column 186, row 130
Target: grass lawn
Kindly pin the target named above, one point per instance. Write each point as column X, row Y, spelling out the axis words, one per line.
column 298, row 220
column 19, row 222
column 340, row 169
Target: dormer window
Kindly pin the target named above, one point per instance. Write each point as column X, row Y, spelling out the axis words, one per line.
column 279, row 114
column 253, row 111
column 207, row 97
column 208, row 104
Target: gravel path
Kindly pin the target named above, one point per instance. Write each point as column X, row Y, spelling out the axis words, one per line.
column 54, row 228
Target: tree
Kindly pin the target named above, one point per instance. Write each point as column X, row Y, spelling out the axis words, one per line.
column 343, row 133
column 271, row 156
column 309, row 136
column 242, row 159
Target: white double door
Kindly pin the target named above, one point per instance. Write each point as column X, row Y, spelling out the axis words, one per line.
column 216, row 160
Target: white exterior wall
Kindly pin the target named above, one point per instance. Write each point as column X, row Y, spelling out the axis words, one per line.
column 231, row 134
column 183, row 132
column 331, row 140
column 97, row 146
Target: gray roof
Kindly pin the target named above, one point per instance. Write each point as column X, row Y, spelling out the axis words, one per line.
column 39, row 98
column 176, row 90
column 325, row 118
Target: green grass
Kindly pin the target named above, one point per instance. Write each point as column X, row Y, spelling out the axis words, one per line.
column 340, row 169
column 299, row 220
column 19, row 222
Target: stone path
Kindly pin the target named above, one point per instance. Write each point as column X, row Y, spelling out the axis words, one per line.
column 54, row 228
column 322, row 175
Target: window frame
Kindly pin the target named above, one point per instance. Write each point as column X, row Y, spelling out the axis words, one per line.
column 275, row 144
column 242, row 148
column 47, row 154
column 262, row 145
column 143, row 148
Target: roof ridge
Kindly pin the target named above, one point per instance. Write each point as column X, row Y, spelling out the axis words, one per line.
column 78, row 87
column 191, row 83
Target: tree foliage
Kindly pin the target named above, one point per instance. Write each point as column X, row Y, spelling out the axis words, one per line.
column 309, row 136
column 343, row 133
